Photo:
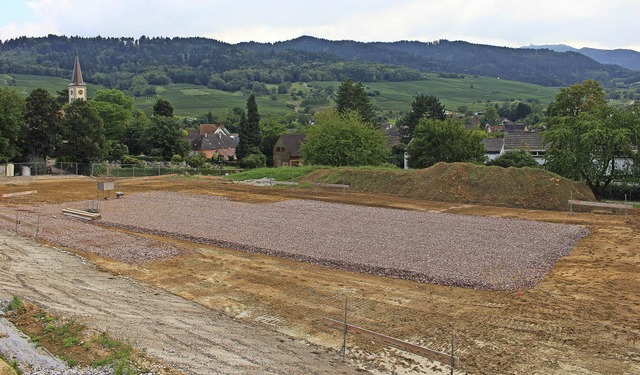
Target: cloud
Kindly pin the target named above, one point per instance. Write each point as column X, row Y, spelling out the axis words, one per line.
column 514, row 23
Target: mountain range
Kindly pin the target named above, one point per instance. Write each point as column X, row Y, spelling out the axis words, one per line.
column 625, row 58
column 136, row 65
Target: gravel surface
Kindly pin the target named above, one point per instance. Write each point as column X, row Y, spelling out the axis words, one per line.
column 440, row 248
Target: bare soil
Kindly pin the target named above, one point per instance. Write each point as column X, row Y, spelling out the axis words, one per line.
column 581, row 319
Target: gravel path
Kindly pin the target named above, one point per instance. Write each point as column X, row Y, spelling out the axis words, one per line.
column 447, row 249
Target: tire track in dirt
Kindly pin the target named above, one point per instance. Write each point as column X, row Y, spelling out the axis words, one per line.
column 182, row 333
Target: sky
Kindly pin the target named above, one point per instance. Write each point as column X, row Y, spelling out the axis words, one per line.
column 607, row 24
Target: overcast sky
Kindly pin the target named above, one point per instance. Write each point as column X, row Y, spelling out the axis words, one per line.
column 605, row 24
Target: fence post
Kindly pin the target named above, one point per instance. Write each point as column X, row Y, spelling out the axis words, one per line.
column 344, row 338
column 453, row 359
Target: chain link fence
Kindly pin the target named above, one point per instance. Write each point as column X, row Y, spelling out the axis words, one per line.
column 111, row 169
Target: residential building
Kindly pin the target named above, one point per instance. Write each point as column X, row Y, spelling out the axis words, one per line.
column 287, row 150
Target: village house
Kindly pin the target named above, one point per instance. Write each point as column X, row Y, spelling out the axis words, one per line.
column 286, row 150
column 216, row 142
column 515, row 140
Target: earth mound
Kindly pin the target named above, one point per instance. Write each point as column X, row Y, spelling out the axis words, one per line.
column 530, row 188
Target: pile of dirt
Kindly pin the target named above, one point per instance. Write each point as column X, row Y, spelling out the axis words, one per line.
column 531, row 188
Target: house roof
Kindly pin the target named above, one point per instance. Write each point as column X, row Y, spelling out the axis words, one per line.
column 207, row 128
column 493, row 145
column 220, row 139
column 527, row 140
column 292, row 143
column 192, row 134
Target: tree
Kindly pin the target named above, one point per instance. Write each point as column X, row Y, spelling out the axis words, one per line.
column 444, row 141
column 12, row 109
column 114, row 117
column 242, row 149
column 115, row 97
column 343, row 139
column 423, row 106
column 135, row 133
column 163, row 108
column 517, row 158
column 576, row 99
column 83, row 134
column 491, row 116
column 250, row 134
column 352, row 97
column 586, row 147
column 165, row 135
column 42, row 118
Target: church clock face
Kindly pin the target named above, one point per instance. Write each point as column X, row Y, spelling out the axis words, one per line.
column 80, row 92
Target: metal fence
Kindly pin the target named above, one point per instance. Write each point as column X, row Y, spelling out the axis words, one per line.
column 113, row 170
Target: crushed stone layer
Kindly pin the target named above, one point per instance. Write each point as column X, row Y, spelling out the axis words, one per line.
column 440, row 248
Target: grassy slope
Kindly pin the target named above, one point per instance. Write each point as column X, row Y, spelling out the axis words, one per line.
column 473, row 92
column 191, row 100
column 447, row 182
column 26, row 83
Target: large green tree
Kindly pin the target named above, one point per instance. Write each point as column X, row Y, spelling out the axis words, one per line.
column 353, row 97
column 163, row 108
column 444, row 141
column 250, row 133
column 83, row 134
column 165, row 136
column 12, row 108
column 595, row 146
column 423, row 106
column 343, row 139
column 135, row 133
column 42, row 118
column 582, row 97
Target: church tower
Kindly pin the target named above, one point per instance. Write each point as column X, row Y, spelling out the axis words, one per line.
column 77, row 87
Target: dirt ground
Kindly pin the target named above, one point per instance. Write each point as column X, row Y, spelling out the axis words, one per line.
column 581, row 319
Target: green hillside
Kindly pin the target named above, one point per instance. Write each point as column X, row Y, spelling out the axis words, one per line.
column 25, row 83
column 193, row 100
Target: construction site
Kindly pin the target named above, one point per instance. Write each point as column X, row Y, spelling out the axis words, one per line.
column 211, row 276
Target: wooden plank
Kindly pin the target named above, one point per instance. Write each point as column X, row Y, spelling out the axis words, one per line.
column 402, row 345
column 338, row 186
column 600, row 204
column 30, row 192
column 284, row 183
column 80, row 214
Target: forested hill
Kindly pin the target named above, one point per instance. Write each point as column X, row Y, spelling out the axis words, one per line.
column 136, row 65
column 626, row 58
column 542, row 67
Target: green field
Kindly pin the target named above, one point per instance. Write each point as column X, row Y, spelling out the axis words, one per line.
column 25, row 83
column 473, row 92
column 195, row 101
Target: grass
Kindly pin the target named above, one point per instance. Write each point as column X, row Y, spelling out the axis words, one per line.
column 472, row 92
column 72, row 341
column 194, row 100
column 25, row 83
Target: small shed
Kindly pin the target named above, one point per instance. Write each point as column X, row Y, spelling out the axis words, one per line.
column 287, row 150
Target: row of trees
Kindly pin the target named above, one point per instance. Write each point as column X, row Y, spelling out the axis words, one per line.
column 106, row 127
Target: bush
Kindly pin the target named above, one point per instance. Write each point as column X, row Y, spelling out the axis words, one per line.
column 128, row 159
column 518, row 158
column 197, row 161
column 253, row 160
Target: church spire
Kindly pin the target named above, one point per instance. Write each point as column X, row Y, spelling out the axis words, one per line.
column 76, row 78
column 77, row 87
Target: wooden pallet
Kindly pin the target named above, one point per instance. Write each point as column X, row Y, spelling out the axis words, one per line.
column 80, row 214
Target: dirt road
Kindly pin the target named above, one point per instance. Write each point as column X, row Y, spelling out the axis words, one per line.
column 182, row 333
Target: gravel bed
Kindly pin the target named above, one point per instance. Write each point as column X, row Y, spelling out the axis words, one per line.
column 440, row 248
